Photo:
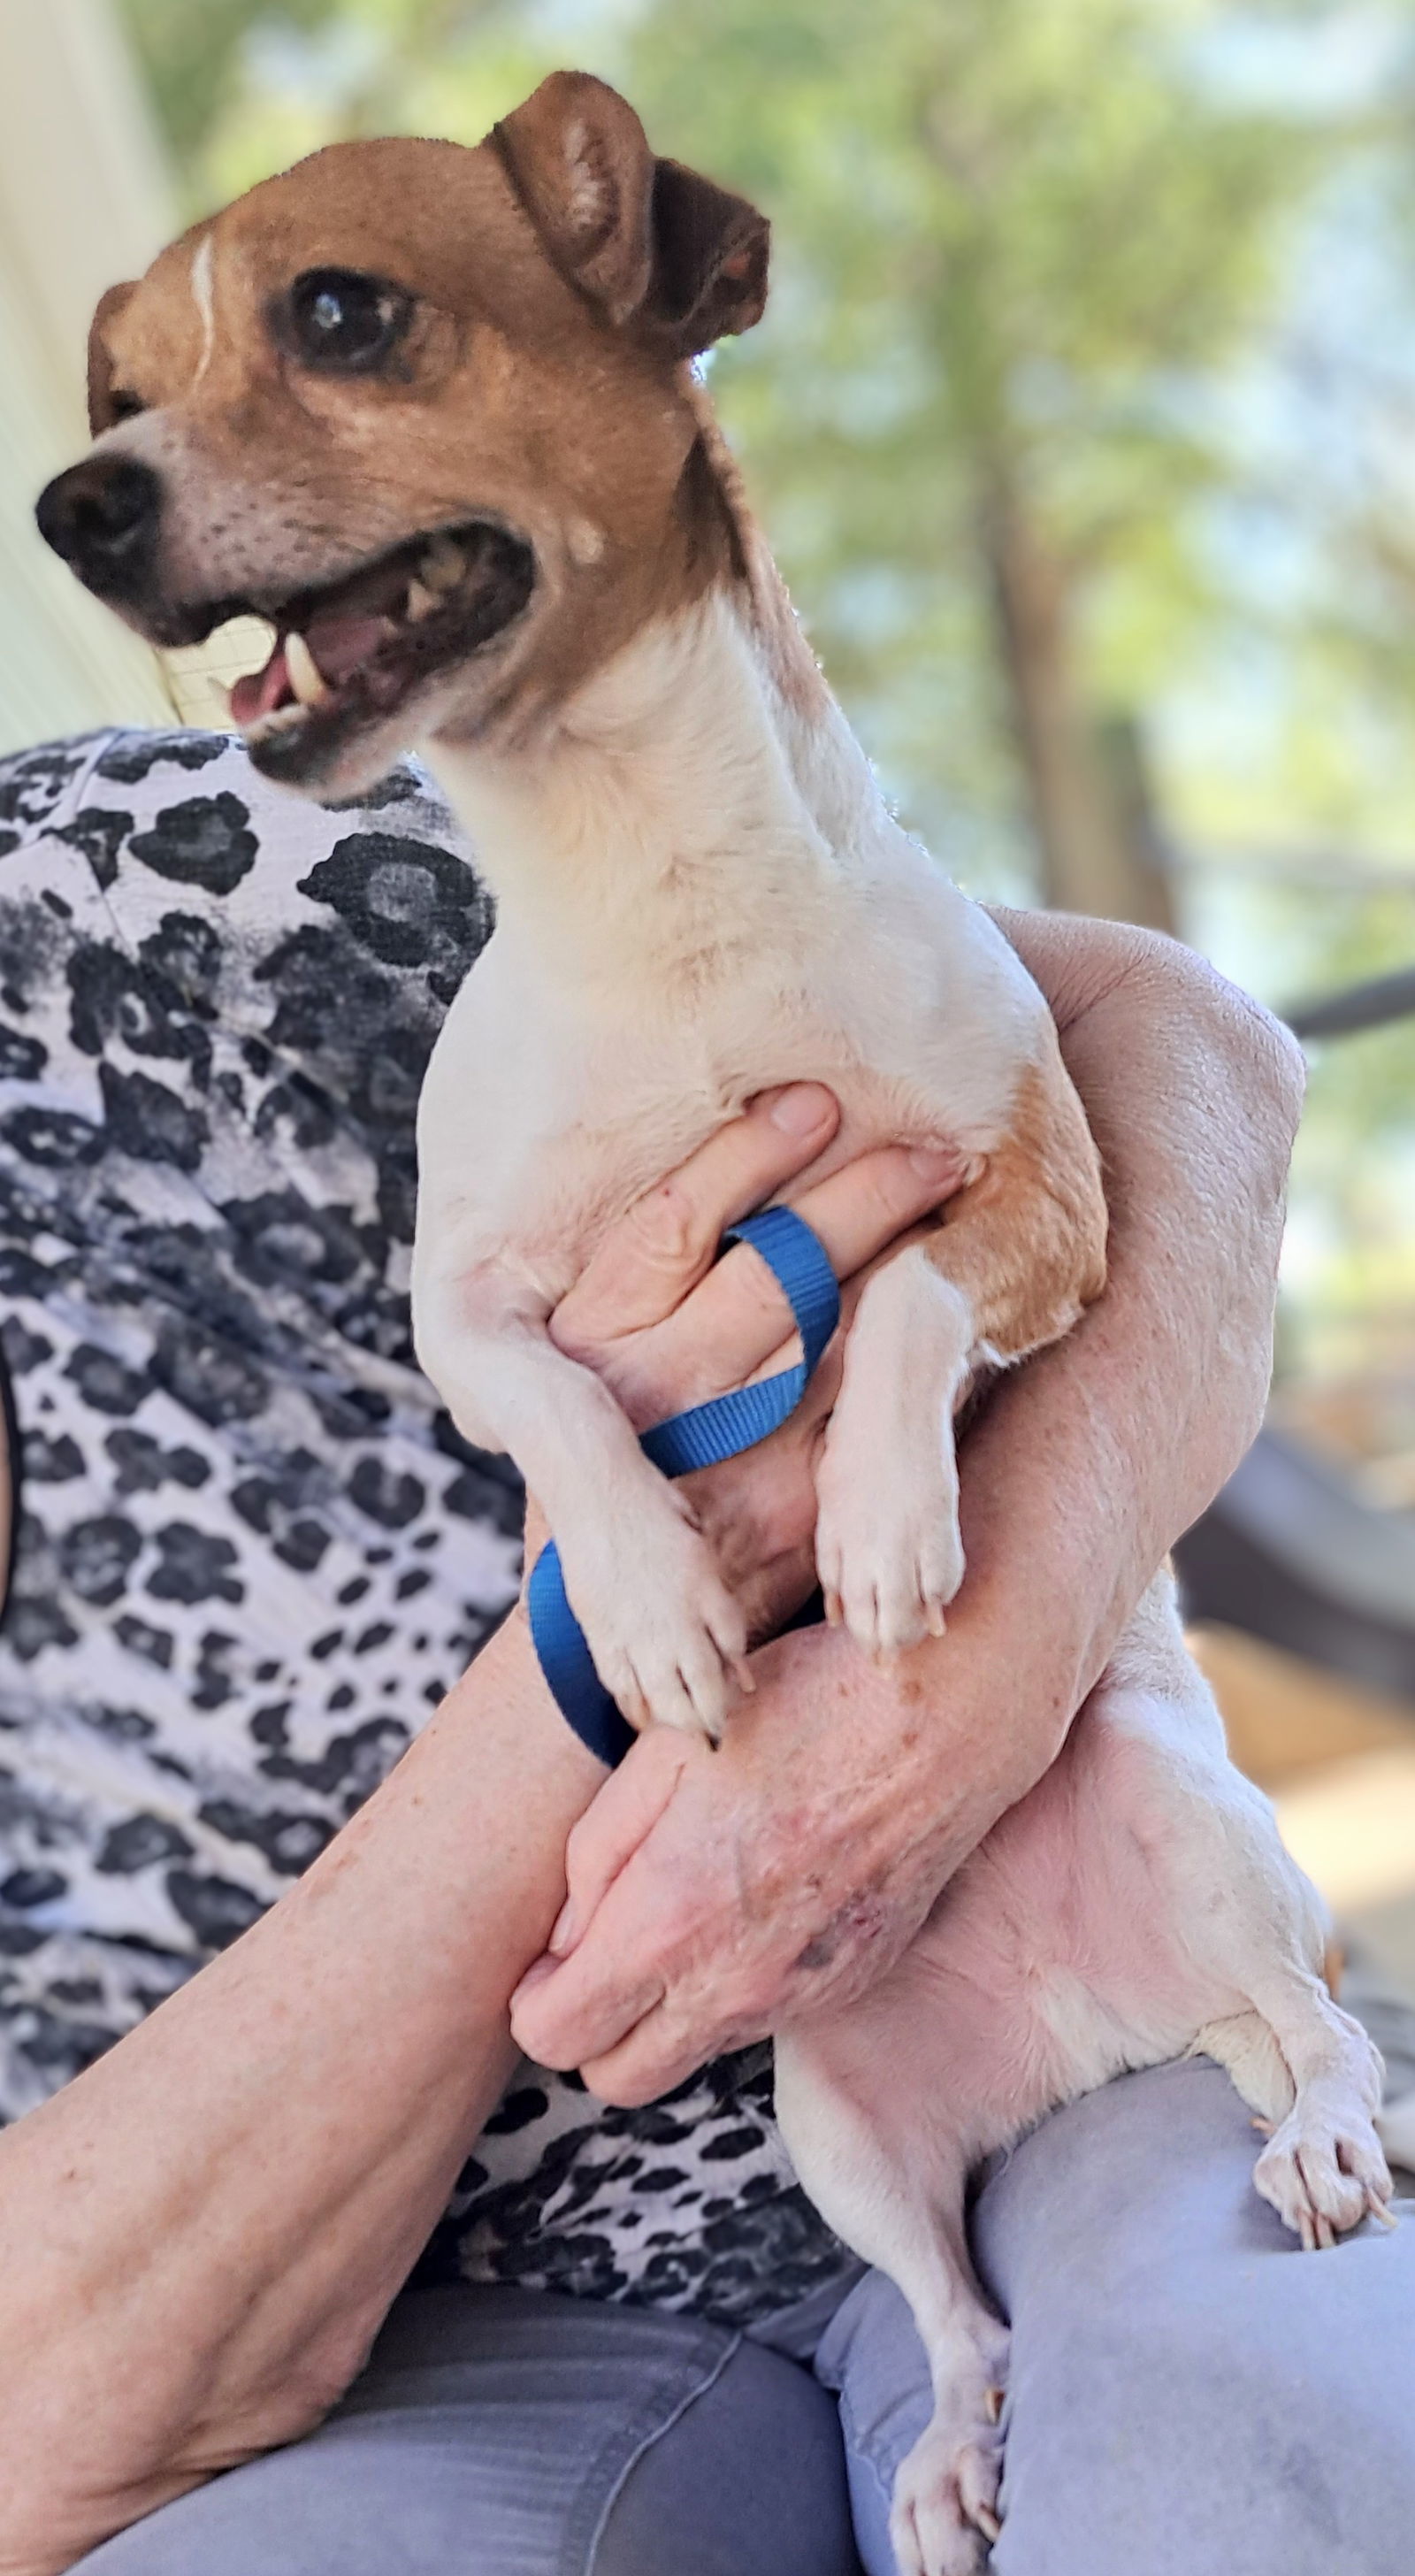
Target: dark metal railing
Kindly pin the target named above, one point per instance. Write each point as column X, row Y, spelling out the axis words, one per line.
column 1360, row 1006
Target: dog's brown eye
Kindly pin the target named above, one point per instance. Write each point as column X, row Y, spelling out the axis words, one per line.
column 342, row 320
column 123, row 407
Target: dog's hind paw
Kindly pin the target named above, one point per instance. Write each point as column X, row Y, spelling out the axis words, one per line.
column 945, row 2515
column 1323, row 2170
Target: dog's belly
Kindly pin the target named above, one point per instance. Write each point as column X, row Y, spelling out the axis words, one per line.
column 1064, row 1950
column 1055, row 1959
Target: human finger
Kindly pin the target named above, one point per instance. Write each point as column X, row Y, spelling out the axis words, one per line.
column 560, row 2013
column 653, row 2058
column 611, row 1829
column 735, row 1319
column 567, row 2010
column 668, row 1239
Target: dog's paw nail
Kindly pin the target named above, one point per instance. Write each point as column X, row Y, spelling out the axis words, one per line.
column 988, row 2523
column 1380, row 2210
column 992, row 2404
column 834, row 1611
column 1263, row 2127
column 937, row 1624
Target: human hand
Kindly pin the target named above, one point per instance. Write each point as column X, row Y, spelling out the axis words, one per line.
column 714, row 1897
column 667, row 1325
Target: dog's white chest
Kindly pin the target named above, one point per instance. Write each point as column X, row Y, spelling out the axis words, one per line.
column 548, row 1108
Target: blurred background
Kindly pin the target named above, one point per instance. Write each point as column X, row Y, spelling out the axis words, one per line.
column 1083, row 421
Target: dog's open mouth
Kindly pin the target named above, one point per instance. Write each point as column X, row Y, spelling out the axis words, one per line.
column 358, row 649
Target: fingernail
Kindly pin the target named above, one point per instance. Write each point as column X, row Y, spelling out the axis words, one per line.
column 934, row 1162
column 801, row 1108
column 564, row 1935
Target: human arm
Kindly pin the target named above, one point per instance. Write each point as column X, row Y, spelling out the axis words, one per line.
column 200, row 2236
column 713, row 1897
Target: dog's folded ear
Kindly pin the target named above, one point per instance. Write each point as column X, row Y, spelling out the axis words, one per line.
column 662, row 252
column 101, row 412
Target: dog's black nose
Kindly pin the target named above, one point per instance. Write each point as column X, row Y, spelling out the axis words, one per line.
column 103, row 517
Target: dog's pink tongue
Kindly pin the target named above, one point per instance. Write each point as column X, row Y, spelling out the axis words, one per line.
column 260, row 692
column 340, row 644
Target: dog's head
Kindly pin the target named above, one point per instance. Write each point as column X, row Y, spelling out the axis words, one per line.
column 428, row 410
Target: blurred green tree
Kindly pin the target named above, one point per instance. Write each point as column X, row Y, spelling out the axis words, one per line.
column 1023, row 235
column 1016, row 237
column 1078, row 419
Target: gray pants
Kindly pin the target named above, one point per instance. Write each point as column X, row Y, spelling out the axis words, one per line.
column 1190, row 2396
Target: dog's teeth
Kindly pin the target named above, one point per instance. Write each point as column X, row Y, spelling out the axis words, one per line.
column 279, row 720
column 421, row 603
column 306, row 678
column 443, row 565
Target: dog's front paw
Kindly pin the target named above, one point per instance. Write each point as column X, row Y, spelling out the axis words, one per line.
column 1324, row 2169
column 945, row 2516
column 669, row 1641
column 888, row 1549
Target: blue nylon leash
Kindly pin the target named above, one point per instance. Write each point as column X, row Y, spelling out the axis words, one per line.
column 701, row 1437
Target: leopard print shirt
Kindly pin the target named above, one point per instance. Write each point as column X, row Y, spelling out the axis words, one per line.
column 250, row 1551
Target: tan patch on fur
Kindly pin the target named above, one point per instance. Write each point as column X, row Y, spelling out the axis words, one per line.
column 513, row 398
column 1026, row 1240
column 794, row 671
column 101, row 385
column 503, row 405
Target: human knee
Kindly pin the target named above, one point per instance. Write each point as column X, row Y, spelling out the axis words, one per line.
column 750, row 2476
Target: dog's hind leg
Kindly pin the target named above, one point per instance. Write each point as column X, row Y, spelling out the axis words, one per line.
column 1246, row 2047
column 869, row 2138
column 1255, row 1931
column 1323, row 2169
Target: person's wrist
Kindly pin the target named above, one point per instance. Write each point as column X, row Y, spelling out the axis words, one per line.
column 505, row 1678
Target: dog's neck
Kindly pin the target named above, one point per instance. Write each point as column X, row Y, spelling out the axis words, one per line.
column 667, row 822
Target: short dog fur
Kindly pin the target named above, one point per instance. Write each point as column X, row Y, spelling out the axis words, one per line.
column 433, row 411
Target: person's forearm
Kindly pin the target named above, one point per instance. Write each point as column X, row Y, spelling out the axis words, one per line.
column 199, row 2238
column 1088, row 1464
column 716, row 1898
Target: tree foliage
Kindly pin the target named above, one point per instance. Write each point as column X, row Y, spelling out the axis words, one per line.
column 1058, row 413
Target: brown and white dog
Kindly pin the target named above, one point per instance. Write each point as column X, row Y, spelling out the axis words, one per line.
column 432, row 412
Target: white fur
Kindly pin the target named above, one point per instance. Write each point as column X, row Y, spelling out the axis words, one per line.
column 697, row 898
column 588, row 187
column 204, row 298
column 700, row 893
column 1136, row 1906
column 888, row 1548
